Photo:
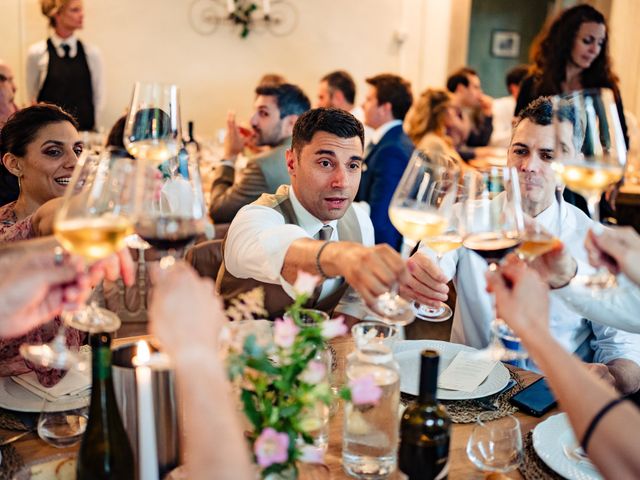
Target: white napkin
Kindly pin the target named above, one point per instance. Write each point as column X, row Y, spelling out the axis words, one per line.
column 72, row 384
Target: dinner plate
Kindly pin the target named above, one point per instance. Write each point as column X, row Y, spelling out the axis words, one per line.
column 407, row 355
column 17, row 398
column 549, row 439
column 61, row 466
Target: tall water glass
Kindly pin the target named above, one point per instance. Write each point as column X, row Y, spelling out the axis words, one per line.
column 370, row 434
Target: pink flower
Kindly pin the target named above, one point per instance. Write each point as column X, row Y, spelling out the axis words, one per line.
column 285, row 331
column 334, row 328
column 305, row 283
column 364, row 390
column 314, row 373
column 271, row 447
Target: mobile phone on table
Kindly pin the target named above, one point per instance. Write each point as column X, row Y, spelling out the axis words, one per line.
column 536, row 399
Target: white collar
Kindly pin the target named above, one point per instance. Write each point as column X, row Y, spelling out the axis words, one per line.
column 380, row 132
column 306, row 220
column 72, row 40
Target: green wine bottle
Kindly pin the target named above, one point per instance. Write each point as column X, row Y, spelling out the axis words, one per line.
column 425, row 428
column 105, row 452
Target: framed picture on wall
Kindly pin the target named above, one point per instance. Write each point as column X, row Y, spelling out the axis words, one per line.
column 505, row 44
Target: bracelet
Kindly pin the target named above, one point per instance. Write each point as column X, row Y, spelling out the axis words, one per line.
column 318, row 266
column 596, row 420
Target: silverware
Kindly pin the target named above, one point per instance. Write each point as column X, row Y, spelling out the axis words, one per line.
column 488, row 403
column 13, row 438
column 578, row 456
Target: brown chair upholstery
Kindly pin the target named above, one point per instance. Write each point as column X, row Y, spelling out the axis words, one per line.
column 206, row 258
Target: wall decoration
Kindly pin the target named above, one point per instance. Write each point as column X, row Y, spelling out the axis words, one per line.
column 505, row 44
column 278, row 17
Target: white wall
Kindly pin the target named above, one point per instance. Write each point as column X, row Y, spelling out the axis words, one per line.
column 153, row 40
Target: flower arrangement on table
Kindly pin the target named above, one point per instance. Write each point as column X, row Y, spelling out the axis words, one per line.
column 283, row 383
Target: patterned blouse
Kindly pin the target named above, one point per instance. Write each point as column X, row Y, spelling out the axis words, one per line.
column 11, row 363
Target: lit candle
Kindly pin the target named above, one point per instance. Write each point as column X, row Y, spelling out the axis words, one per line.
column 147, row 449
column 231, row 6
column 266, row 6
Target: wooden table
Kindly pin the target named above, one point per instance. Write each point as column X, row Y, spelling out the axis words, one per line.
column 32, row 448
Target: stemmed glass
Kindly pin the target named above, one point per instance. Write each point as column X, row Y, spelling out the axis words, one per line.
column 152, row 130
column 495, row 446
column 93, row 221
column 493, row 223
column 590, row 155
column 170, row 210
column 421, row 208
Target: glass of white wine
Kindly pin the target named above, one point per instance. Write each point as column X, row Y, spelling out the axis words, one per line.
column 421, row 208
column 591, row 155
column 152, row 130
column 93, row 221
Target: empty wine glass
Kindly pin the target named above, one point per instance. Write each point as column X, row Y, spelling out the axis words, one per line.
column 152, row 131
column 62, row 421
column 495, row 446
column 492, row 223
column 590, row 155
column 421, row 208
column 93, row 221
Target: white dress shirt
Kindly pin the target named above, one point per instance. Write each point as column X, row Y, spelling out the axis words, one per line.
column 380, row 132
column 502, row 109
column 258, row 240
column 474, row 311
column 38, row 64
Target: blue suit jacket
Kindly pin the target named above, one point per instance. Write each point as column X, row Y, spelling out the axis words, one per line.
column 385, row 163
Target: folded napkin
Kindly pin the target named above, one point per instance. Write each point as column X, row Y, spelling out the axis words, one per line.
column 72, row 384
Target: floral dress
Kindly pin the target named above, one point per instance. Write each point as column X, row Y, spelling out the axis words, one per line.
column 11, row 363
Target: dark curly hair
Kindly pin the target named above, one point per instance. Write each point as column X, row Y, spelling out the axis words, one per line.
column 551, row 51
column 331, row 120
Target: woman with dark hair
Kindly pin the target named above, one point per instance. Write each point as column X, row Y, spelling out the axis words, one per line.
column 39, row 146
column 572, row 53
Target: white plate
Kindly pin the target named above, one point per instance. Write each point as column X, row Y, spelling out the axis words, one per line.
column 549, row 438
column 14, row 397
column 408, row 356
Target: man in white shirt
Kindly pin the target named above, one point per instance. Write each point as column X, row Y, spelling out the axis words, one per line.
column 63, row 70
column 503, row 108
column 615, row 354
column 311, row 226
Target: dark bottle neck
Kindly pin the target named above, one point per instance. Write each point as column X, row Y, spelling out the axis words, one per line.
column 190, row 130
column 428, row 376
column 101, row 357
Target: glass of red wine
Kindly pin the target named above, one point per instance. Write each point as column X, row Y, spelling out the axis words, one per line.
column 492, row 226
column 170, row 209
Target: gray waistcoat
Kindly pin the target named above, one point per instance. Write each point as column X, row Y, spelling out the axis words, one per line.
column 276, row 299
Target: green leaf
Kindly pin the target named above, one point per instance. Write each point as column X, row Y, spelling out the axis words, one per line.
column 290, row 410
column 248, row 400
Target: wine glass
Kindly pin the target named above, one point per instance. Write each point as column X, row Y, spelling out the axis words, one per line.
column 152, row 131
column 170, row 210
column 492, row 225
column 421, row 208
column 62, row 421
column 590, row 155
column 93, row 221
column 495, row 446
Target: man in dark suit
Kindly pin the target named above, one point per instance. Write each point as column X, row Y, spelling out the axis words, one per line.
column 387, row 101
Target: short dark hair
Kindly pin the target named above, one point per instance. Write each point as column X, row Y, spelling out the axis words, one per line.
column 542, row 111
column 331, row 120
column 290, row 98
column 460, row 77
column 394, row 90
column 516, row 75
column 341, row 80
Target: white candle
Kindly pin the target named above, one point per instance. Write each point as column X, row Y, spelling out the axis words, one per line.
column 266, row 6
column 231, row 6
column 147, row 449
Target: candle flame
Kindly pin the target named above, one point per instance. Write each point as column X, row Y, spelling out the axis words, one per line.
column 143, row 354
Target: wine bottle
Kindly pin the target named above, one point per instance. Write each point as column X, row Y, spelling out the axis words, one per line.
column 191, row 139
column 425, row 428
column 105, row 452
